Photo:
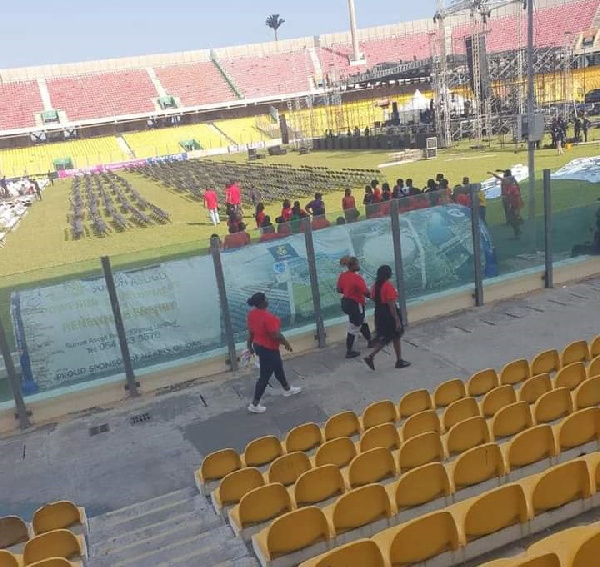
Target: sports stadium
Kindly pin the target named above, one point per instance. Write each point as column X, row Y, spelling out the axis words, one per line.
column 150, row 206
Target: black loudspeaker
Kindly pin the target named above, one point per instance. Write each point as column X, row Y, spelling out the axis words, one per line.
column 395, row 114
column 251, row 154
column 277, row 151
column 285, row 134
column 304, row 150
column 483, row 65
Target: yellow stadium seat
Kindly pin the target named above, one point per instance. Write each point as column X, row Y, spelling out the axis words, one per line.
column 257, row 507
column 587, row 394
column 595, row 347
column 58, row 543
column 422, row 489
column 545, row 362
column 262, row 451
column 338, row 452
column 378, row 413
column 511, row 420
column 575, row 352
column 304, row 437
column 214, row 467
column 297, row 535
column 566, row 544
column 553, row 406
column 414, row 402
column 420, row 539
column 578, row 433
column 467, row 434
column 344, row 424
column 477, row 465
column 482, row 382
column 558, row 493
column 526, row 560
column 515, row 372
column 530, row 447
column 588, row 551
column 287, row 468
column 594, row 367
column 319, row 485
column 448, row 392
column 496, row 399
column 422, row 422
column 361, row 512
column 420, row 450
column 376, row 465
column 385, row 435
column 7, row 559
column 459, row 411
column 57, row 516
column 235, row 485
column 534, row 388
column 53, row 562
column 13, row 532
column 500, row 513
column 362, row 552
column 570, row 376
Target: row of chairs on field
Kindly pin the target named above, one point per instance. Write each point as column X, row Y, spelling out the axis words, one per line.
column 61, row 515
column 480, row 461
column 573, row 547
column 411, row 489
column 506, row 408
column 57, row 548
column 452, row 535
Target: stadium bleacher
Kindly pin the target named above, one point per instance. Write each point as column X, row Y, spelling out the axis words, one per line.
column 20, row 103
column 242, row 130
column 450, row 475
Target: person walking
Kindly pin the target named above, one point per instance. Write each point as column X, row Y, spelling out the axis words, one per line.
column 505, row 182
column 388, row 321
column 354, row 292
column 264, row 340
column 585, row 126
column 211, row 202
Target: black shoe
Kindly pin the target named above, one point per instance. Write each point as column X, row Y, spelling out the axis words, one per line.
column 352, row 354
column 369, row 362
column 402, row 364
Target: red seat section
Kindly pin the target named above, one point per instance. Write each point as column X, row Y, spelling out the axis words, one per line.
column 274, row 74
column 100, row 95
column 552, row 27
column 195, row 83
column 20, row 102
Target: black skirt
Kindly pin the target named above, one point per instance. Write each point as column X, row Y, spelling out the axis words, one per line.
column 385, row 324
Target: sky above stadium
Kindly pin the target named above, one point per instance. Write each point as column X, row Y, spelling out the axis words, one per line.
column 38, row 32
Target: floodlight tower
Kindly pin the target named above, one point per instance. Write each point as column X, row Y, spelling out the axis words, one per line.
column 357, row 57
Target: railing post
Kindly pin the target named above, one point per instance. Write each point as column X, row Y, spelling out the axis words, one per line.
column 476, row 231
column 549, row 263
column 22, row 414
column 398, row 263
column 215, row 252
column 314, row 283
column 132, row 385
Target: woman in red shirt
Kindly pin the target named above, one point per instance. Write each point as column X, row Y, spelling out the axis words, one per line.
column 388, row 322
column 286, row 211
column 355, row 291
column 260, row 215
column 349, row 206
column 264, row 339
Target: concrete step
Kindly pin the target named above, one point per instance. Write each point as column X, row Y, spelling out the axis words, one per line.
column 246, row 561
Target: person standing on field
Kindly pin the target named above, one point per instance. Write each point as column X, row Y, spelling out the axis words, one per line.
column 211, row 202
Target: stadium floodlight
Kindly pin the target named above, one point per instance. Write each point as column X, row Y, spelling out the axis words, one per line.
column 357, row 56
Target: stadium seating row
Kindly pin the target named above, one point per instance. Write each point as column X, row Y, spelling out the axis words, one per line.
column 454, row 534
column 47, row 549
column 456, row 399
column 418, row 478
column 574, row 547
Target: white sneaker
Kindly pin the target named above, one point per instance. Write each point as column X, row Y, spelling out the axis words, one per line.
column 292, row 391
column 257, row 409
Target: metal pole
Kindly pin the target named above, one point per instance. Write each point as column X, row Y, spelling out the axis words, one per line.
column 355, row 46
column 530, row 107
column 314, row 284
column 549, row 272
column 476, row 230
column 22, row 414
column 229, row 336
column 398, row 263
column 120, row 328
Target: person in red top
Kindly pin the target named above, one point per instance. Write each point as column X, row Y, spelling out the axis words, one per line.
column 286, row 211
column 233, row 196
column 388, row 322
column 376, row 191
column 264, row 339
column 349, row 206
column 237, row 239
column 515, row 204
column 260, row 215
column 211, row 202
column 354, row 291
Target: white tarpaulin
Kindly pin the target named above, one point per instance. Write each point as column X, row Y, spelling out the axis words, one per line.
column 491, row 186
column 581, row 169
column 417, row 102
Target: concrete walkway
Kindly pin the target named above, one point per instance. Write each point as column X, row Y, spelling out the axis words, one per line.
column 134, row 462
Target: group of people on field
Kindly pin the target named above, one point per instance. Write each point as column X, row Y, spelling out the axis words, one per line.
column 265, row 338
